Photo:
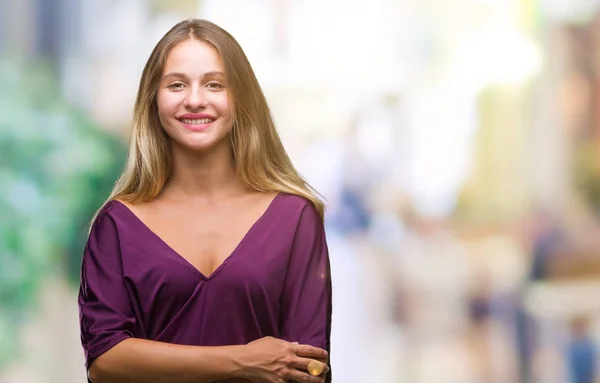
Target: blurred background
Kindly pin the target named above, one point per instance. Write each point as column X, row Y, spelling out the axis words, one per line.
column 456, row 143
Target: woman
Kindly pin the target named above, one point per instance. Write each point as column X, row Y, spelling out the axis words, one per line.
column 209, row 260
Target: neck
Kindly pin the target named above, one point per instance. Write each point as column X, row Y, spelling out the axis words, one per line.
column 205, row 176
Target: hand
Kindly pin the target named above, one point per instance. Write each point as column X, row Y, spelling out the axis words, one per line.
column 271, row 360
column 306, row 353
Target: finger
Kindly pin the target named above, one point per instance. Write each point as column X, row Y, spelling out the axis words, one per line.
column 302, row 364
column 308, row 351
column 299, row 376
column 326, row 360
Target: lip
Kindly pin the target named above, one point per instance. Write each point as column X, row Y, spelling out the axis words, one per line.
column 194, row 116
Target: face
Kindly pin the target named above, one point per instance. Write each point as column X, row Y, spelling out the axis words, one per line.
column 193, row 101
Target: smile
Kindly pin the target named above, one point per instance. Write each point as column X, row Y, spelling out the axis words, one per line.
column 197, row 121
column 197, row 124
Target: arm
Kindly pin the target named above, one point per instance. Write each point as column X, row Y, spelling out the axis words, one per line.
column 140, row 360
column 264, row 361
column 307, row 296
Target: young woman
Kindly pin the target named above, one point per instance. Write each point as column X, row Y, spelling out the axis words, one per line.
column 209, row 260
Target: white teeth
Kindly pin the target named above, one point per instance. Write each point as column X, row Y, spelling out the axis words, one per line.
column 198, row 122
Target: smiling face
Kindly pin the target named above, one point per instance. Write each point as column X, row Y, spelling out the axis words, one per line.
column 193, row 101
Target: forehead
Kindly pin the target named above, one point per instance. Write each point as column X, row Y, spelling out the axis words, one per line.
column 193, row 57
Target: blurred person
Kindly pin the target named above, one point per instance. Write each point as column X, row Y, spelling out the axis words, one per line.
column 209, row 261
column 350, row 215
column 431, row 264
column 480, row 328
column 546, row 236
column 581, row 352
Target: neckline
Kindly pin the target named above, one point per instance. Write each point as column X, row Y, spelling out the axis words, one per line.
column 183, row 259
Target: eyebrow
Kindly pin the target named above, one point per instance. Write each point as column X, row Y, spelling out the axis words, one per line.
column 183, row 75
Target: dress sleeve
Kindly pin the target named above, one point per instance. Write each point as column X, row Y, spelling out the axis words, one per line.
column 105, row 311
column 307, row 296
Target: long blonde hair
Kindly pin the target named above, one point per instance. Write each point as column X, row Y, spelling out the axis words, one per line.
column 261, row 161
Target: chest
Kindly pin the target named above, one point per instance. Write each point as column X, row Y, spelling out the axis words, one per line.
column 205, row 239
column 196, row 260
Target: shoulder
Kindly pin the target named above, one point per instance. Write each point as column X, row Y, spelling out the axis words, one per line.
column 112, row 209
column 299, row 218
column 296, row 205
column 298, row 210
column 103, row 252
column 110, row 216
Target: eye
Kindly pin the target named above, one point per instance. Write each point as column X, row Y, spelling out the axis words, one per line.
column 176, row 85
column 214, row 85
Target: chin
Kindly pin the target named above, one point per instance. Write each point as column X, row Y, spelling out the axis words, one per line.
column 200, row 147
column 205, row 145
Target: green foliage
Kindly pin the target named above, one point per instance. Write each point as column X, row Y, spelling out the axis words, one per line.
column 56, row 168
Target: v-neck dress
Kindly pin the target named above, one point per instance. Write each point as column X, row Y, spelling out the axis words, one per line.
column 275, row 283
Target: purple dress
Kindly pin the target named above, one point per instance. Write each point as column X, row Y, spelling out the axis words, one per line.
column 275, row 283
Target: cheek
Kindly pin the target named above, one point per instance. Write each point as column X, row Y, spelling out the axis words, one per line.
column 225, row 108
column 166, row 104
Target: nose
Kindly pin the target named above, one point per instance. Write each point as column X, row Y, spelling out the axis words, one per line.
column 195, row 98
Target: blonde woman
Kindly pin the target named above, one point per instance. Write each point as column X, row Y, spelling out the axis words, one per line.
column 209, row 260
